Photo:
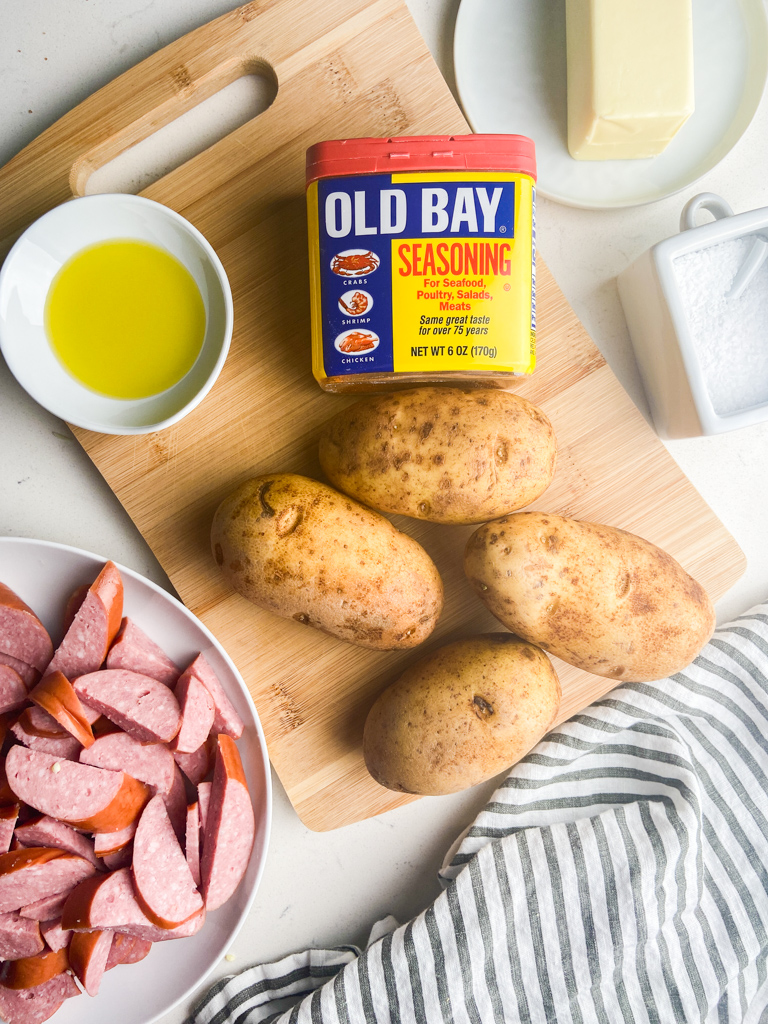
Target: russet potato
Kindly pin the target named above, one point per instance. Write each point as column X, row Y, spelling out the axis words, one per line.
column 461, row 715
column 300, row 549
column 445, row 455
column 602, row 599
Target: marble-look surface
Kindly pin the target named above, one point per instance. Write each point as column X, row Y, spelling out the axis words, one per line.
column 329, row 888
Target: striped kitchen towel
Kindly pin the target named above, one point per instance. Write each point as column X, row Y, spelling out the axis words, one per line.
column 620, row 873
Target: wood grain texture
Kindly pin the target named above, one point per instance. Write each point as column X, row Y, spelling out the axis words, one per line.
column 346, row 69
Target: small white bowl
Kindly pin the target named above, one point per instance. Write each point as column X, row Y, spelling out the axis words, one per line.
column 31, row 266
column 667, row 357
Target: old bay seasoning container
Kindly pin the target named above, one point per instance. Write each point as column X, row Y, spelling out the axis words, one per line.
column 422, row 260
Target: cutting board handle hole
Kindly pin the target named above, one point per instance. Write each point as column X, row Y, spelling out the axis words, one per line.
column 145, row 162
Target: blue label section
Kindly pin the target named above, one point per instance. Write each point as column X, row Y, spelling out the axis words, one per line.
column 359, row 217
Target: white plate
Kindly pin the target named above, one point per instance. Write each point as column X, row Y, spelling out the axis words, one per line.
column 44, row 574
column 509, row 58
column 26, row 277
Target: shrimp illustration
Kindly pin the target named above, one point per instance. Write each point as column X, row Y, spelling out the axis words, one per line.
column 356, row 305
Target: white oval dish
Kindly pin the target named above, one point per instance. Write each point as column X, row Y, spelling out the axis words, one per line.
column 509, row 59
column 26, row 277
column 44, row 574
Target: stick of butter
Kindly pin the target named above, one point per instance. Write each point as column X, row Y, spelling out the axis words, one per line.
column 630, row 76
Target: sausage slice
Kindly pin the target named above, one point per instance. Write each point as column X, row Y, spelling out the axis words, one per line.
column 230, row 827
column 31, row 874
column 143, row 707
column 105, row 843
column 197, row 713
column 60, row 745
column 93, row 628
column 28, row 673
column 88, row 952
column 109, row 901
column 55, row 936
column 46, row 909
column 204, row 800
column 46, row 831
column 13, row 689
column 56, row 695
column 31, row 971
column 164, row 885
column 22, row 635
column 35, row 1005
column 192, row 843
column 151, row 763
column 226, row 719
column 196, row 765
column 19, row 937
column 127, row 949
column 88, row 798
column 8, row 816
column 176, row 804
column 135, row 651
column 119, row 859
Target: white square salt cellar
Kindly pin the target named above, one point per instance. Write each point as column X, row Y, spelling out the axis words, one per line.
column 696, row 306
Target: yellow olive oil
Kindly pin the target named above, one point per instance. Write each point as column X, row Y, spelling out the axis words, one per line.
column 125, row 318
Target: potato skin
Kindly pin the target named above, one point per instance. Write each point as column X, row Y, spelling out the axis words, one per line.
column 461, row 715
column 442, row 454
column 296, row 547
column 602, row 599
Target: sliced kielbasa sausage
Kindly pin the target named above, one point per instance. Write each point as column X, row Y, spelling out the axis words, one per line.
column 192, row 843
column 229, row 827
column 22, row 635
column 8, row 816
column 46, row 909
column 55, row 936
column 109, row 901
column 143, row 707
column 106, row 843
column 13, row 689
column 19, row 937
column 127, row 949
column 56, row 695
column 46, row 831
column 93, row 628
column 31, row 874
column 164, row 885
column 30, row 971
column 28, row 673
column 60, row 745
column 88, row 798
column 197, row 713
column 197, row 765
column 135, row 651
column 35, row 1005
column 88, row 952
column 176, row 804
column 226, row 719
column 151, row 763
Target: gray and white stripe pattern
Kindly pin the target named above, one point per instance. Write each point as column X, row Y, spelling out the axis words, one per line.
column 619, row 874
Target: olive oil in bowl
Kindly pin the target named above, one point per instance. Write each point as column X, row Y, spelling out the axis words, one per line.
column 125, row 318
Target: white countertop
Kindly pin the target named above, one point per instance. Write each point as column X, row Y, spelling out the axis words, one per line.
column 329, row 888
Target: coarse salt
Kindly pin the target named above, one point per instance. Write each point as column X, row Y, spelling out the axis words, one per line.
column 730, row 336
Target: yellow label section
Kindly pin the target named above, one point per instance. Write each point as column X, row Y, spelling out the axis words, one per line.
column 465, row 303
column 318, row 368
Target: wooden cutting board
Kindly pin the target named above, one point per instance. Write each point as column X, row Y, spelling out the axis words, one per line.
column 344, row 68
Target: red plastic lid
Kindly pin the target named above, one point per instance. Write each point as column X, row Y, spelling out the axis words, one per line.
column 515, row 153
